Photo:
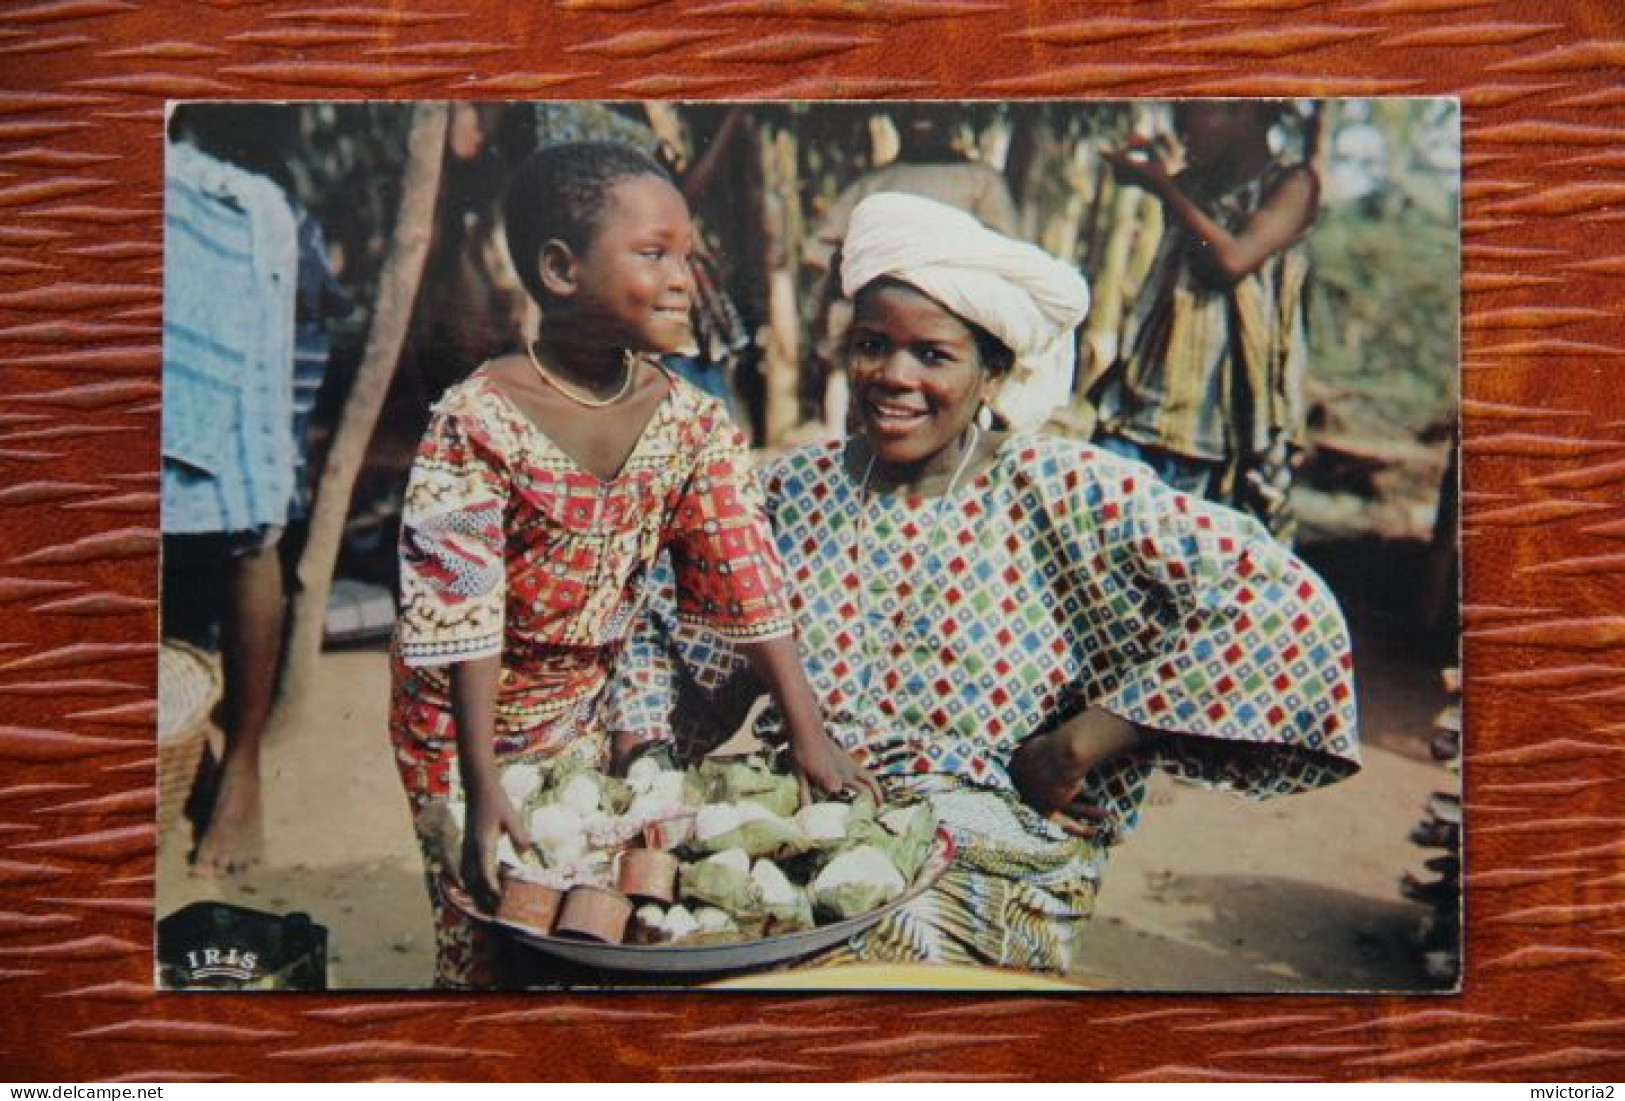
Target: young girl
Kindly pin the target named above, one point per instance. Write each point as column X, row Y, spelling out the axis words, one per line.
column 546, row 486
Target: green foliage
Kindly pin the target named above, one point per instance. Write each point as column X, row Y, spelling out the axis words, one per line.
column 1384, row 322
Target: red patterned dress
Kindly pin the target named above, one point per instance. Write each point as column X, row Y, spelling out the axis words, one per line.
column 509, row 547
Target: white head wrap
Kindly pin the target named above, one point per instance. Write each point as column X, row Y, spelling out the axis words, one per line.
column 1016, row 291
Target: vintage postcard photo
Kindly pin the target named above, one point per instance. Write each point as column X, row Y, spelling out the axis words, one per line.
column 811, row 545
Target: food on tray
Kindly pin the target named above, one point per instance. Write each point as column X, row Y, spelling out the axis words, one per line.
column 747, row 780
column 717, row 854
column 594, row 913
column 712, row 920
column 824, row 821
column 678, row 923
column 722, row 880
column 856, row 881
column 748, row 826
column 789, row 910
column 529, row 901
column 648, row 874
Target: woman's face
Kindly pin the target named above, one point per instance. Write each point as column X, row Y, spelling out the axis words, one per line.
column 917, row 377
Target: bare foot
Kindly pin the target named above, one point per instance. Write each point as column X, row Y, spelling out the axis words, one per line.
column 234, row 838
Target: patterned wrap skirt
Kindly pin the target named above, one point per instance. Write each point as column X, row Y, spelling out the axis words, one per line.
column 1018, row 893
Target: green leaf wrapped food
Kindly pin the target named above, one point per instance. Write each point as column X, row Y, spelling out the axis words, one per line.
column 834, row 825
column 750, row 827
column 748, row 779
column 910, row 833
column 855, row 882
column 789, row 910
column 723, row 881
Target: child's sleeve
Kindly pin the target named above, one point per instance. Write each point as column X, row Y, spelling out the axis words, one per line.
column 727, row 570
column 453, row 577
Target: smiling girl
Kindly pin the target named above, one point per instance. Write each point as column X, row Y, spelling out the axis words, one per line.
column 544, row 489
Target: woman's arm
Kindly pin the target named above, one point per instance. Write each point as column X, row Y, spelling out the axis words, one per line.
column 1049, row 769
column 823, row 766
column 1229, row 257
column 490, row 812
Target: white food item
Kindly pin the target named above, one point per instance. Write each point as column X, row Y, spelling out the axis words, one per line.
column 581, row 795
column 545, row 877
column 776, row 888
column 521, row 781
column 824, row 821
column 649, row 916
column 864, row 864
column 643, row 773
column 898, row 820
column 669, row 786
column 588, row 867
column 754, row 812
column 651, row 806
column 732, row 858
column 714, row 820
column 712, row 920
column 678, row 923
column 559, row 833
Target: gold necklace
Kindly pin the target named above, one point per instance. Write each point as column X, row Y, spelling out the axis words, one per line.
column 628, row 371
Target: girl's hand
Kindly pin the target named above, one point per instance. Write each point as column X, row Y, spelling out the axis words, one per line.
column 824, row 768
column 490, row 815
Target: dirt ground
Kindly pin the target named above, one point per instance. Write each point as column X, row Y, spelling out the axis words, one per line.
column 1211, row 893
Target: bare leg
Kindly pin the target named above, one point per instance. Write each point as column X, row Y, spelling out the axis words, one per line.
column 251, row 648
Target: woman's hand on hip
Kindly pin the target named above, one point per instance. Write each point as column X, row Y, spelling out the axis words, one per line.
column 1049, row 769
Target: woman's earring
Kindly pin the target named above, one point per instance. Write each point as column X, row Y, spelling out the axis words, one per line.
column 984, row 417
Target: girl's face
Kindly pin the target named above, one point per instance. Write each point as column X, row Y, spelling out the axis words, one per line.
column 633, row 286
column 917, row 377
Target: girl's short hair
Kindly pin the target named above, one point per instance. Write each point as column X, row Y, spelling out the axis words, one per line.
column 561, row 192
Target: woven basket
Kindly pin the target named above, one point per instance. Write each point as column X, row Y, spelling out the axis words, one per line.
column 188, row 689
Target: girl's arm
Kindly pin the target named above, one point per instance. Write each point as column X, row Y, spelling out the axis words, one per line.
column 1229, row 257
column 490, row 812
column 824, row 767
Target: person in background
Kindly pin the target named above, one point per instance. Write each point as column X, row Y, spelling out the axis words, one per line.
column 231, row 261
column 1208, row 389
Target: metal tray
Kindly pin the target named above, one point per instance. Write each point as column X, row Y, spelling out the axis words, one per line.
column 749, row 955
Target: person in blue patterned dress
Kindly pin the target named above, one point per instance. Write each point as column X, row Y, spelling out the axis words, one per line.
column 1019, row 628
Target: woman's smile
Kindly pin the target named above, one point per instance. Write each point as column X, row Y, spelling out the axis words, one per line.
column 888, row 414
column 917, row 376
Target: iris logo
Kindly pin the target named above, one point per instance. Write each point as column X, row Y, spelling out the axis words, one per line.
column 221, row 963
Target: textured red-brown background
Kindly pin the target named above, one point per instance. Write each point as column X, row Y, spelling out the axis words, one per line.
column 82, row 84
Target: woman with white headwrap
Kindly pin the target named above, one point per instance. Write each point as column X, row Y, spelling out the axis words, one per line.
column 1018, row 629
